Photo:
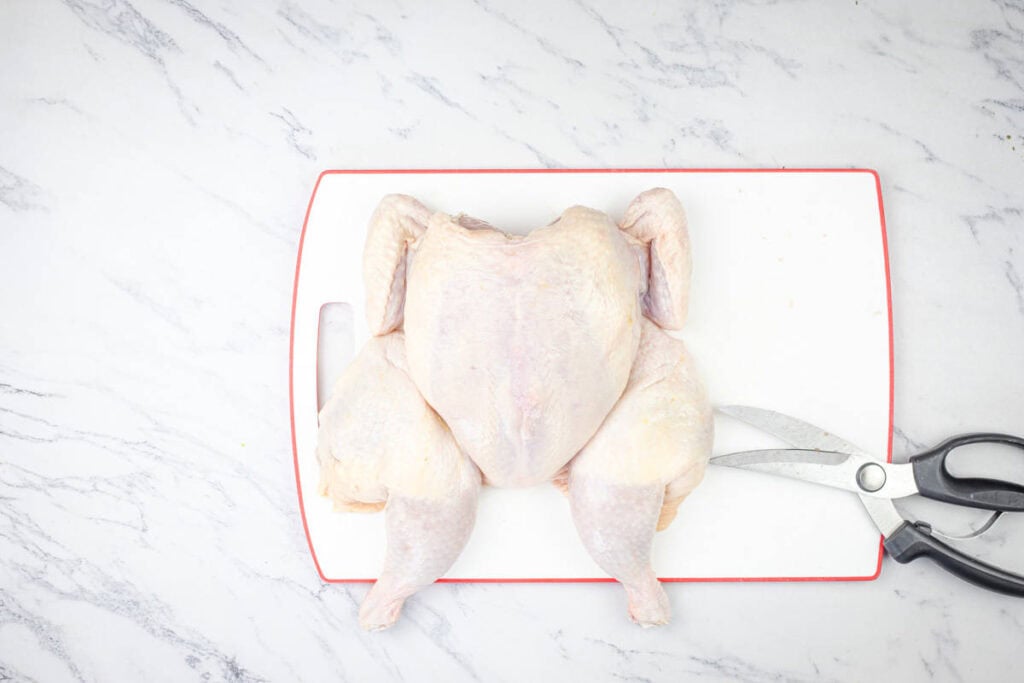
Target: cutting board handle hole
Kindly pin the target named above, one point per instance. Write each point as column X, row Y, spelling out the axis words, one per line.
column 334, row 347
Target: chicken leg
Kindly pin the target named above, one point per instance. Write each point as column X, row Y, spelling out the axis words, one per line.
column 649, row 454
column 425, row 536
column 382, row 446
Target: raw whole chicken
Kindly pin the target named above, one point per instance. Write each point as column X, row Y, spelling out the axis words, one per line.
column 510, row 360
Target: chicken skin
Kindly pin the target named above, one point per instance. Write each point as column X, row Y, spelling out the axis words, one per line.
column 511, row 361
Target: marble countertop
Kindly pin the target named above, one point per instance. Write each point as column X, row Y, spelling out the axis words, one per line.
column 156, row 158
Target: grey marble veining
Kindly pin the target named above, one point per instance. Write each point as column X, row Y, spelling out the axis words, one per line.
column 156, row 158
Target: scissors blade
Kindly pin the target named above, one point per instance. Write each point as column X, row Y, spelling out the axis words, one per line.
column 801, row 434
column 828, row 468
column 807, row 436
column 884, row 514
column 772, row 457
column 836, row 470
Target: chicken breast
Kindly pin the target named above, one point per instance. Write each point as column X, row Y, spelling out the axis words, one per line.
column 534, row 342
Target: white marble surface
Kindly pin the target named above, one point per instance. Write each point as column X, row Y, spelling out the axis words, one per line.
column 156, row 158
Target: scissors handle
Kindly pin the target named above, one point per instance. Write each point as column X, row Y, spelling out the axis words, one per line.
column 914, row 539
column 934, row 480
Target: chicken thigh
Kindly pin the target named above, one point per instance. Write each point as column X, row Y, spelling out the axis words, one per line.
column 511, row 361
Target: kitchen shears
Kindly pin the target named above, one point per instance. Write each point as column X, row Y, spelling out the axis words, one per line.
column 823, row 458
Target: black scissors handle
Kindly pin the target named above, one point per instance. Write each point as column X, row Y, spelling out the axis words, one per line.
column 934, row 480
column 914, row 539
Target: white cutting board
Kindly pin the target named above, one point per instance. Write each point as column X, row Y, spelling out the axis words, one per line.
column 789, row 310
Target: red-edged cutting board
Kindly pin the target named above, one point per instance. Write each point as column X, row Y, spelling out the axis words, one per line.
column 789, row 310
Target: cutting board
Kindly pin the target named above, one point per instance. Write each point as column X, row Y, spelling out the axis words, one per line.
column 789, row 309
